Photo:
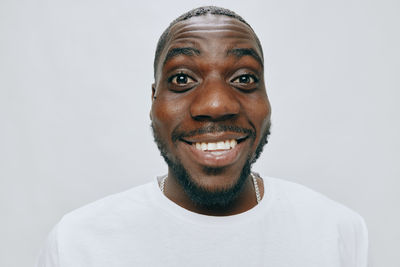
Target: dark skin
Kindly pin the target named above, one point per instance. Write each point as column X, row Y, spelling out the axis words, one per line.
column 210, row 72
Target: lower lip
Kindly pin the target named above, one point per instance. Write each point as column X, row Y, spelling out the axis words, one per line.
column 218, row 158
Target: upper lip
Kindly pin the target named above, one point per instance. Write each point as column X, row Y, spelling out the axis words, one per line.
column 214, row 137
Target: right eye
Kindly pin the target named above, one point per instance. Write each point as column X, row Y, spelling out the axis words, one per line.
column 181, row 79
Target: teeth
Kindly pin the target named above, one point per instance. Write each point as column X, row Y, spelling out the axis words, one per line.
column 211, row 146
column 203, row 146
column 221, row 145
column 233, row 143
column 227, row 143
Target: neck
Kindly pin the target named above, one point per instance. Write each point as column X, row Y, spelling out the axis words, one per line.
column 243, row 202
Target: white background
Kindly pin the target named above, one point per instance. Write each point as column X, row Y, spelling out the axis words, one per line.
column 75, row 91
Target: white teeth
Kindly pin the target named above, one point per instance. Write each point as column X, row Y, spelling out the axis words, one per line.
column 233, row 143
column 203, row 146
column 227, row 143
column 211, row 146
column 198, row 146
column 221, row 145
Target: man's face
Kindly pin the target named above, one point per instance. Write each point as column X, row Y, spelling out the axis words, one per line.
column 210, row 112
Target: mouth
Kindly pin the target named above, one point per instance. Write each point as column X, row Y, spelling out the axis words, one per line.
column 215, row 151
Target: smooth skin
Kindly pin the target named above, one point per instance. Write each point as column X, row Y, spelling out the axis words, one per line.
column 210, row 72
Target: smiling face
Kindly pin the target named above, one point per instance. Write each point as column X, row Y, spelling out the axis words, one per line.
column 210, row 111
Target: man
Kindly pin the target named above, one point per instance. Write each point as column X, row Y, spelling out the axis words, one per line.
column 210, row 118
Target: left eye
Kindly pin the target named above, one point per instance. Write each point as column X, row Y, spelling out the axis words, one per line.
column 245, row 79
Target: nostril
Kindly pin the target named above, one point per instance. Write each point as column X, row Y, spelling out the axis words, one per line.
column 201, row 117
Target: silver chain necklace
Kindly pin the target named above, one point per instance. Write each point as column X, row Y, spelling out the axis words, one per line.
column 256, row 189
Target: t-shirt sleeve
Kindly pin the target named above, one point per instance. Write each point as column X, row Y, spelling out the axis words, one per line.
column 362, row 240
column 48, row 256
column 354, row 243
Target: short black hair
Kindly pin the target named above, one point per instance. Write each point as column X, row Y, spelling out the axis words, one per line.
column 200, row 11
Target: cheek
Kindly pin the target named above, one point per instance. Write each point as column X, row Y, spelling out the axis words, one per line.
column 265, row 116
column 266, row 112
column 259, row 114
column 258, row 110
column 167, row 114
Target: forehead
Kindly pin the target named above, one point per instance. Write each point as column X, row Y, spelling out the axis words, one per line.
column 220, row 25
column 211, row 34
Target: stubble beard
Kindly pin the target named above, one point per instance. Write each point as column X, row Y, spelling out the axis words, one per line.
column 200, row 196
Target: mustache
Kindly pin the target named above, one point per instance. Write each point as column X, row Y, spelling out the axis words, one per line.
column 213, row 128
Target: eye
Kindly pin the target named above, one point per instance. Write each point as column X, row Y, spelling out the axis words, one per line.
column 246, row 79
column 181, row 79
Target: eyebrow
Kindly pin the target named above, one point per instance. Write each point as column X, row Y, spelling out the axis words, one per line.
column 187, row 51
column 241, row 52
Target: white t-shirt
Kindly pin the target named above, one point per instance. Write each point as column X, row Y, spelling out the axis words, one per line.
column 291, row 226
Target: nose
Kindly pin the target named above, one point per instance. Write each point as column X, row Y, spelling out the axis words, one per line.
column 215, row 100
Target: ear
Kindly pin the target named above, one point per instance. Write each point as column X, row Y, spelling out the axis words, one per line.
column 153, row 92
column 153, row 96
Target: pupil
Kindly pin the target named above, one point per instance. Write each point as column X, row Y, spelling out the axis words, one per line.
column 244, row 79
column 181, row 79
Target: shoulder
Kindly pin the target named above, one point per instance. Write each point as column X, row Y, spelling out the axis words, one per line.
column 81, row 229
column 108, row 211
column 311, row 204
column 322, row 220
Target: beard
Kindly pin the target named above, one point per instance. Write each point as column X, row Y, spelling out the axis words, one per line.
column 217, row 199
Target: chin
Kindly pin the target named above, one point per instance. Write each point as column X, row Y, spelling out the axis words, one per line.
column 214, row 179
column 214, row 190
